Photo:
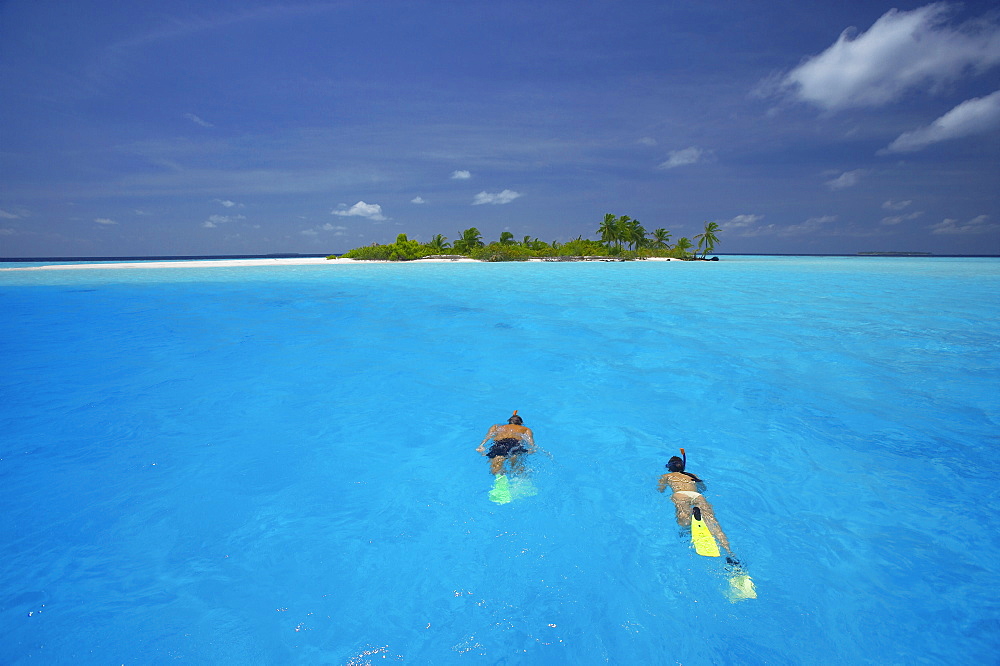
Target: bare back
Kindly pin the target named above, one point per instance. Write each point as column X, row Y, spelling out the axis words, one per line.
column 511, row 431
column 678, row 482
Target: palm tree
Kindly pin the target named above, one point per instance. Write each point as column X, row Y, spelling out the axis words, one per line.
column 438, row 243
column 507, row 238
column 622, row 230
column 468, row 240
column 633, row 233
column 660, row 239
column 682, row 246
column 609, row 230
column 708, row 238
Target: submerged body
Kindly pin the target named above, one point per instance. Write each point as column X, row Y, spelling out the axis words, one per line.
column 685, row 497
column 510, row 440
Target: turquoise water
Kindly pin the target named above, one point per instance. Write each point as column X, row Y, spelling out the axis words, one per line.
column 276, row 465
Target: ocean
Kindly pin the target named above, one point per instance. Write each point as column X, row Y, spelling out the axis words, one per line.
column 277, row 464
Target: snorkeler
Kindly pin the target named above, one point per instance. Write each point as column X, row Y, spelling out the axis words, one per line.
column 688, row 500
column 509, row 440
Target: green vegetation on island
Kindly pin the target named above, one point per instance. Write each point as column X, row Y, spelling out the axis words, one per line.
column 620, row 238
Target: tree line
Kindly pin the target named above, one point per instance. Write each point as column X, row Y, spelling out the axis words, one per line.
column 620, row 237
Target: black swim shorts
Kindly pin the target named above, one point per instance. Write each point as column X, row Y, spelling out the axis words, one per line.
column 506, row 447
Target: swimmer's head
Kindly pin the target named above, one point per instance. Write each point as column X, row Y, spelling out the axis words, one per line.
column 675, row 464
column 516, row 420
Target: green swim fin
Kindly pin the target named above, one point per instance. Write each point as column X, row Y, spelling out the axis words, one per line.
column 501, row 490
column 701, row 536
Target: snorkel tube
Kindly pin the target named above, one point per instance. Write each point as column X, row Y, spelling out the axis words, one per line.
column 683, row 455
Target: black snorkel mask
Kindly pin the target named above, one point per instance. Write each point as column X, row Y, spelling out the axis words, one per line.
column 676, row 464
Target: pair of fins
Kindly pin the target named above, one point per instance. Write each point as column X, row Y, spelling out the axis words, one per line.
column 506, row 490
column 740, row 584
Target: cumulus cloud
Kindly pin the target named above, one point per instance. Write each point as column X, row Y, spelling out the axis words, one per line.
column 977, row 225
column 846, row 179
column 417, row 200
column 901, row 52
column 105, row 221
column 895, row 205
column 197, row 121
column 495, row 198
column 973, row 116
column 740, row 222
column 215, row 220
column 896, row 219
column 8, row 216
column 460, row 175
column 362, row 209
column 678, row 158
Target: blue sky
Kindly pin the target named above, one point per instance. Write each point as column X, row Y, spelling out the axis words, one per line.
column 250, row 128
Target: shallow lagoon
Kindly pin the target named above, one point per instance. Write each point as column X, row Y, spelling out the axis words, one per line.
column 277, row 465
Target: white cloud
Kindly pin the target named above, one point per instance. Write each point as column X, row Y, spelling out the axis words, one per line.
column 977, row 225
column 362, row 209
column 495, row 198
column 810, row 226
column 846, row 179
column 678, row 158
column 647, row 141
column 739, row 222
column 896, row 219
column 105, row 221
column 460, row 175
column 902, row 51
column 8, row 216
column 197, row 121
column 895, row 205
column 227, row 203
column 337, row 230
column 215, row 220
column 745, row 223
column 973, row 116
column 417, row 200
column 7, row 232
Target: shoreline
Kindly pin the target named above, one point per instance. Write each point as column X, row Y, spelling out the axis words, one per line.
column 303, row 261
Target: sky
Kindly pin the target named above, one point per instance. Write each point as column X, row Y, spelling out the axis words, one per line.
column 243, row 127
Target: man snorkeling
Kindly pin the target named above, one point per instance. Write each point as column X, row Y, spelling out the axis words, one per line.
column 688, row 500
column 509, row 440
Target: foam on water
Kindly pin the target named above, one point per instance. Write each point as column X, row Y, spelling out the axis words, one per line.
column 277, row 465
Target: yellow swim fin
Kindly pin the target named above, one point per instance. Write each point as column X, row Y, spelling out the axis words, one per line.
column 701, row 537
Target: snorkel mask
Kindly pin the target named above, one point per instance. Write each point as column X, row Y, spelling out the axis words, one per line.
column 676, row 464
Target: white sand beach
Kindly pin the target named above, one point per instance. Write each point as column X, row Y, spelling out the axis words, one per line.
column 292, row 261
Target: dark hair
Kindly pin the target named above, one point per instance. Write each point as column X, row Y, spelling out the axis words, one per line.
column 676, row 464
column 516, row 420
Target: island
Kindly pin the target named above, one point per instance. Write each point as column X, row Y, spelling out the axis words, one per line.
column 621, row 239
